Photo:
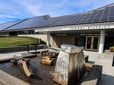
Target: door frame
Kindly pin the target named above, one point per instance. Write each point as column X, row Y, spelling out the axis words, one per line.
column 92, row 44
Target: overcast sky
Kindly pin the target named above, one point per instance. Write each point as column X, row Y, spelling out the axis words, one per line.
column 12, row 10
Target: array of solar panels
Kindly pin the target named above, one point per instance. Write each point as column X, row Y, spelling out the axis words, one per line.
column 5, row 26
column 100, row 15
column 34, row 22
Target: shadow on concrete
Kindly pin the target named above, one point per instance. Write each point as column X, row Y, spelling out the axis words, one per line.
column 106, row 80
column 91, row 62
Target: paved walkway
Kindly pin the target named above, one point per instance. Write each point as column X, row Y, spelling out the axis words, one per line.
column 7, row 56
column 106, row 61
column 100, row 59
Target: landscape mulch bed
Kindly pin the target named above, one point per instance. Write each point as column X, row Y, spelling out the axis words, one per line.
column 42, row 73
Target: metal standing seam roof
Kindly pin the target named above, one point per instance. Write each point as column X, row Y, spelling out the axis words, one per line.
column 100, row 15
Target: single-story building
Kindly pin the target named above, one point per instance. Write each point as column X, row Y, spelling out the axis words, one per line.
column 92, row 30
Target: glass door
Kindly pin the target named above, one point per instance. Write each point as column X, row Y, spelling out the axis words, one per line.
column 95, row 43
column 88, row 45
column 92, row 43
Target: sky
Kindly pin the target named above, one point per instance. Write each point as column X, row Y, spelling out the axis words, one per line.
column 13, row 10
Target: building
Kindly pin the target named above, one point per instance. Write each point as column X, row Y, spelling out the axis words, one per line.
column 92, row 30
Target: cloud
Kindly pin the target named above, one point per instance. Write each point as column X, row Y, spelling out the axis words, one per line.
column 11, row 10
column 31, row 6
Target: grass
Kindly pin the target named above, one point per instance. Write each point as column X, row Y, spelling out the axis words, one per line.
column 16, row 41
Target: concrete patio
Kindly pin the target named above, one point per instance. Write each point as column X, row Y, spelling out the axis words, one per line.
column 94, row 57
column 105, row 60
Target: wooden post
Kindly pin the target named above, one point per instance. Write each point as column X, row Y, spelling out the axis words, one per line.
column 28, row 48
column 69, row 66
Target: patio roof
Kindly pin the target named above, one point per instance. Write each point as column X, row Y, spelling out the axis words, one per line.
column 101, row 15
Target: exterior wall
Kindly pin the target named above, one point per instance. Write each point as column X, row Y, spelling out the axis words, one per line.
column 58, row 40
column 55, row 41
column 4, row 34
column 80, row 41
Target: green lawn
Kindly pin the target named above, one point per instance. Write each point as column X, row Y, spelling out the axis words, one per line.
column 16, row 41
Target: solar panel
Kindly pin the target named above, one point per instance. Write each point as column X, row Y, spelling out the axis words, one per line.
column 89, row 18
column 96, row 17
column 66, row 20
column 105, row 15
column 70, row 20
column 112, row 8
column 103, row 19
column 111, row 14
column 32, row 22
column 76, row 20
column 58, row 21
column 83, row 18
column 9, row 24
column 111, row 19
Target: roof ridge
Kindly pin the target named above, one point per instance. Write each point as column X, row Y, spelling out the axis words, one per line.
column 45, row 16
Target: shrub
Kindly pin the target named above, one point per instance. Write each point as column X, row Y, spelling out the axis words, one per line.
column 111, row 49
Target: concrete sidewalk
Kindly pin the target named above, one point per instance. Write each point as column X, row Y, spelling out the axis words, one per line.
column 106, row 61
column 7, row 56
